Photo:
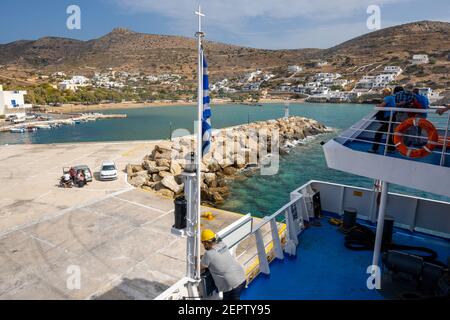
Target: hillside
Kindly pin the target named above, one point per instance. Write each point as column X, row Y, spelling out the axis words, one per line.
column 125, row 50
column 130, row 51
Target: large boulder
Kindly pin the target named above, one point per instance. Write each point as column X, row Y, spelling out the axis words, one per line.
column 138, row 181
column 156, row 177
column 164, row 174
column 143, row 174
column 163, row 163
column 150, row 166
column 163, row 155
column 214, row 166
column 164, row 146
column 209, row 176
column 170, row 183
column 175, row 168
column 230, row 171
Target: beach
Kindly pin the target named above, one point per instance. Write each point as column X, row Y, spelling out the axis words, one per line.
column 77, row 108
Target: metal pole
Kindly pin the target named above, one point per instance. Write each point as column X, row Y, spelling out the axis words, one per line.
column 388, row 133
column 380, row 223
column 444, row 148
column 199, row 135
column 189, row 186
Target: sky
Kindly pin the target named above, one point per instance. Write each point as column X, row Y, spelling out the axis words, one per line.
column 269, row 24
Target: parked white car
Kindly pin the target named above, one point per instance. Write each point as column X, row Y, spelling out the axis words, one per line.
column 108, row 171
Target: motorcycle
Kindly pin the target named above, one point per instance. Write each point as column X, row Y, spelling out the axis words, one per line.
column 63, row 183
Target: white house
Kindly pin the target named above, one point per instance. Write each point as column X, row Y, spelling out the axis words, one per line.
column 68, row 85
column 285, row 87
column 81, row 80
column 252, row 76
column 252, row 86
column 294, row 69
column 393, row 69
column 419, row 59
column 322, row 63
column 12, row 100
column 320, row 91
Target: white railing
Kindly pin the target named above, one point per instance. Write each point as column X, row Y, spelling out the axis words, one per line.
column 179, row 291
column 370, row 126
column 274, row 235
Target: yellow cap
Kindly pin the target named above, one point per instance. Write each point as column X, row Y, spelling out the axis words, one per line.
column 208, row 235
column 387, row 91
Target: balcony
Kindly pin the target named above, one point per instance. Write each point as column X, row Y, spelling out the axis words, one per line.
column 350, row 151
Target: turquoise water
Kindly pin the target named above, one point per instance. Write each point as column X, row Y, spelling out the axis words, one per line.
column 259, row 195
column 155, row 123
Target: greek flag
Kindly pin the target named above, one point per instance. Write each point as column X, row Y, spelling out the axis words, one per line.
column 206, row 119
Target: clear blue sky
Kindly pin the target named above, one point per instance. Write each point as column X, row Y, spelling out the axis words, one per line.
column 269, row 24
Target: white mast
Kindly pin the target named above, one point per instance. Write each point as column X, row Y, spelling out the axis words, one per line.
column 198, row 153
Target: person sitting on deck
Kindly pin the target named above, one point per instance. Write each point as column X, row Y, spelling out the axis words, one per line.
column 384, row 117
column 227, row 272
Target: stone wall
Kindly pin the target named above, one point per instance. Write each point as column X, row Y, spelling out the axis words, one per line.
column 233, row 150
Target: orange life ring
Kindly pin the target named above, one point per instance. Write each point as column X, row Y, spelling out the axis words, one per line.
column 421, row 123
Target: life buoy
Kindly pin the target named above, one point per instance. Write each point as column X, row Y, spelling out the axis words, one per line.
column 421, row 123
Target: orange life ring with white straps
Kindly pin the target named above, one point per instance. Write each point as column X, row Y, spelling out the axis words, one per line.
column 421, row 123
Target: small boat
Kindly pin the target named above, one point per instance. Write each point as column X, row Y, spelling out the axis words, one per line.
column 31, row 129
column 17, row 130
column 42, row 126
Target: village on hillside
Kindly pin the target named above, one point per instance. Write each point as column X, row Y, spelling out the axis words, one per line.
column 310, row 81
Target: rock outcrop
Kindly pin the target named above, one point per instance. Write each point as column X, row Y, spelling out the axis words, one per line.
column 233, row 150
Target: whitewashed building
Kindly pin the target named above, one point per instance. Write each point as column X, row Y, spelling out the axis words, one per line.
column 68, row 85
column 12, row 101
column 322, row 63
column 251, row 86
column 393, row 69
column 294, row 69
column 285, row 87
column 420, row 59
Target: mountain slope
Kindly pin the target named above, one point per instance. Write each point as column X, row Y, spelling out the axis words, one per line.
column 127, row 50
column 130, row 51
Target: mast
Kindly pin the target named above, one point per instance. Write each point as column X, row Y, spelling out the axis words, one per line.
column 198, row 152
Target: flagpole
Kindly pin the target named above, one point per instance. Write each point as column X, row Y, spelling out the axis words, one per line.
column 199, row 135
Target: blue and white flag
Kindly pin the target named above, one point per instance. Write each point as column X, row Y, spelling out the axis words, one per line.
column 206, row 118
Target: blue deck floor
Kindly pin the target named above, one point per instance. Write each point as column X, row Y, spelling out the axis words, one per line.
column 325, row 269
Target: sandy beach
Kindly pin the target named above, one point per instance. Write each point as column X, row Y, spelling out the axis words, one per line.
column 72, row 108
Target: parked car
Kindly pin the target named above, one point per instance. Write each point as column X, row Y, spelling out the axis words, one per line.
column 87, row 172
column 108, row 171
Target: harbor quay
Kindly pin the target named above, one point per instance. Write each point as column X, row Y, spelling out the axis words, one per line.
column 105, row 241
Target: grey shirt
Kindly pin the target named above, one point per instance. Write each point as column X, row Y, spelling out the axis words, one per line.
column 226, row 271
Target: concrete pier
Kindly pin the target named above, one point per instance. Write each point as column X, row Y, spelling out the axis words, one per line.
column 116, row 238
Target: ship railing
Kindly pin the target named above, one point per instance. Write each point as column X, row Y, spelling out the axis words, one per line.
column 365, row 130
column 272, row 238
column 179, row 291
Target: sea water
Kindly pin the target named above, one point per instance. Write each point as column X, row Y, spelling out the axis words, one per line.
column 259, row 195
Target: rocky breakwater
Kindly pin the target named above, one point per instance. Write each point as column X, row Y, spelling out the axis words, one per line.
column 233, row 150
